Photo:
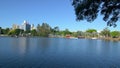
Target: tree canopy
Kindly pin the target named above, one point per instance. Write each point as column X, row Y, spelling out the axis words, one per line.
column 91, row 30
column 105, row 32
column 44, row 29
column 15, row 32
column 89, row 10
column 115, row 34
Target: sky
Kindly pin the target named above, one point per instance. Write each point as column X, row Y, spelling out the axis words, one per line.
column 54, row 12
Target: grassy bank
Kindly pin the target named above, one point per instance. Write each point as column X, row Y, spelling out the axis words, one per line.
column 111, row 39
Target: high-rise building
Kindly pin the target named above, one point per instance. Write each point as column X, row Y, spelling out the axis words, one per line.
column 14, row 26
column 26, row 26
column 32, row 27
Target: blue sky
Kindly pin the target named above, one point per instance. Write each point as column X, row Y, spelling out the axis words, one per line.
column 54, row 12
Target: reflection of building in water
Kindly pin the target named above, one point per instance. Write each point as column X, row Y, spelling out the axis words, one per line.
column 23, row 45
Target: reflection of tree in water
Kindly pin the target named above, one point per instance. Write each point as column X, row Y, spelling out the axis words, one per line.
column 43, row 44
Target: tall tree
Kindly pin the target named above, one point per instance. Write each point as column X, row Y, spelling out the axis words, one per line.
column 89, row 9
column 6, row 31
column 55, row 30
column 38, row 29
column 33, row 32
column 44, row 29
column 80, row 33
column 105, row 32
column 66, row 31
column 91, row 32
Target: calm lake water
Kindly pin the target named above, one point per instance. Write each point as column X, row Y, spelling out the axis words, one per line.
column 58, row 53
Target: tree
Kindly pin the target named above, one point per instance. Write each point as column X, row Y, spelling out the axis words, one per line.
column 91, row 32
column 6, row 31
column 15, row 32
column 115, row 34
column 33, row 32
column 43, row 30
column 80, row 33
column 89, row 9
column 55, row 30
column 38, row 29
column 105, row 32
column 66, row 31
column 0, row 29
column 27, row 31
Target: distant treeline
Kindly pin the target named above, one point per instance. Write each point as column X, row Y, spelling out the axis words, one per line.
column 45, row 30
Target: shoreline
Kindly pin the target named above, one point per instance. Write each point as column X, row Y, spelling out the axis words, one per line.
column 108, row 38
column 111, row 39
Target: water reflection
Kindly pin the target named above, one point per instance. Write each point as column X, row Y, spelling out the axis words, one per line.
column 20, row 45
column 58, row 52
column 23, row 45
column 43, row 43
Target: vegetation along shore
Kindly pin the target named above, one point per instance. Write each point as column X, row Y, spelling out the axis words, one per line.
column 45, row 30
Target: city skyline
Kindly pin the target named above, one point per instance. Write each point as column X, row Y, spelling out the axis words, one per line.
column 55, row 13
column 26, row 26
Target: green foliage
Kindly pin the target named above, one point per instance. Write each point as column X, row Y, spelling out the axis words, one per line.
column 43, row 30
column 66, row 31
column 91, row 30
column 78, row 33
column 74, row 34
column 115, row 34
column 91, row 33
column 15, row 32
column 33, row 32
column 55, row 30
column 89, row 9
column 4, row 31
column 0, row 29
column 105, row 32
column 26, row 32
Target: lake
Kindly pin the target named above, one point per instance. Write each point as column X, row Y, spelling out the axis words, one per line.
column 37, row 52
